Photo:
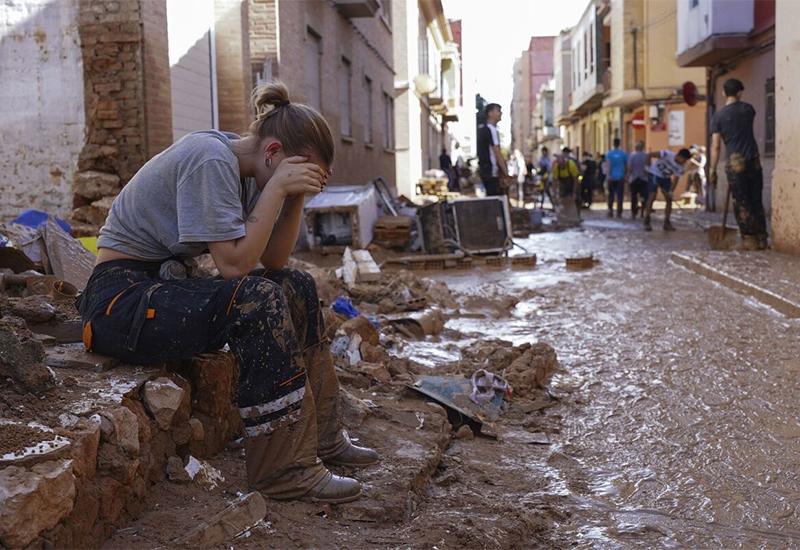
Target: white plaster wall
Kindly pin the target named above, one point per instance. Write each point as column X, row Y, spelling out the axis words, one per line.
column 786, row 176
column 408, row 128
column 42, row 122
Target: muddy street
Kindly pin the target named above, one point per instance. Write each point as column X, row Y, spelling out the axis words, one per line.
column 679, row 419
column 671, row 422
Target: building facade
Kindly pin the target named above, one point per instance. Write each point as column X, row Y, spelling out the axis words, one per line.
column 616, row 77
column 562, row 81
column 521, row 115
column 336, row 56
column 86, row 101
column 786, row 175
column 532, row 70
column 427, row 88
column 735, row 39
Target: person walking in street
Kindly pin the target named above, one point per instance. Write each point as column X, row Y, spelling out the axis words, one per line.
column 565, row 172
column 705, row 192
column 446, row 166
column 589, row 170
column 733, row 125
column 617, row 169
column 664, row 171
column 546, row 177
column 602, row 170
column 491, row 163
column 637, row 176
column 241, row 199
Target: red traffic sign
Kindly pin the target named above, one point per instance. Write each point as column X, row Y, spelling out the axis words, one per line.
column 690, row 95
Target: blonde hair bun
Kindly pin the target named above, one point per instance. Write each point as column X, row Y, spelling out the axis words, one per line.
column 300, row 129
column 267, row 97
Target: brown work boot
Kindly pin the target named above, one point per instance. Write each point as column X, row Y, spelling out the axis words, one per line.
column 333, row 489
column 353, row 456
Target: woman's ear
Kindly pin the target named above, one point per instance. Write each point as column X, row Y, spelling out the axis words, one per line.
column 273, row 148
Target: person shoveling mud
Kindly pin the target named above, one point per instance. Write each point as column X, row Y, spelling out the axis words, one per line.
column 241, row 199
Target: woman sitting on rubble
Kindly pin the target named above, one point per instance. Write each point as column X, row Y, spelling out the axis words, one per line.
column 241, row 199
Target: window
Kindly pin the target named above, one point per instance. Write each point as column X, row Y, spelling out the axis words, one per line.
column 423, row 49
column 585, row 55
column 592, row 40
column 769, row 117
column 388, row 121
column 345, row 97
column 313, row 69
column 368, row 127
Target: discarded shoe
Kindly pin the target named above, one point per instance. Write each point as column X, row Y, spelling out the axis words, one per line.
column 333, row 489
column 354, row 457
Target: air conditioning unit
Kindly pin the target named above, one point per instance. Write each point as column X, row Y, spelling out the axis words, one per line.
column 482, row 225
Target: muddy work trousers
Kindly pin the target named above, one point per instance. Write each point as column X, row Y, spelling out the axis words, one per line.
column 272, row 321
column 746, row 179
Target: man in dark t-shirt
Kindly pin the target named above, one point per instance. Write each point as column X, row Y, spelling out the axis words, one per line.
column 491, row 163
column 733, row 125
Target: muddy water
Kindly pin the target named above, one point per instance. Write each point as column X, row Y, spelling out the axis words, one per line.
column 678, row 398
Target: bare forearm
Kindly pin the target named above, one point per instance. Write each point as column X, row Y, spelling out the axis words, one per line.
column 238, row 257
column 284, row 235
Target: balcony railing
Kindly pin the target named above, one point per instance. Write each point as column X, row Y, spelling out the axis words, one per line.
column 357, row 8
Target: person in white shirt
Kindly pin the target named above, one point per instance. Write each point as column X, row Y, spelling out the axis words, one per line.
column 491, row 163
column 665, row 169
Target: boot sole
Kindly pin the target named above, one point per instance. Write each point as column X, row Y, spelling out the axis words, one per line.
column 340, row 500
column 350, row 464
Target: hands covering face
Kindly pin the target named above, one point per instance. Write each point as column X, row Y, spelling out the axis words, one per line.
column 297, row 176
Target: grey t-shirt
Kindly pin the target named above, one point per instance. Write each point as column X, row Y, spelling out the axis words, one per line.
column 637, row 165
column 183, row 198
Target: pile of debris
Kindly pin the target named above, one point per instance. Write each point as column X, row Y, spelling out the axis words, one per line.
column 84, row 438
column 94, row 193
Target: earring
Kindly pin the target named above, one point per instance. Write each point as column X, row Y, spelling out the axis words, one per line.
column 268, row 162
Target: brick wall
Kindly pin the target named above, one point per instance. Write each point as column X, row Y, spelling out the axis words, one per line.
column 234, row 76
column 157, row 92
column 263, row 33
column 275, row 32
column 124, row 52
column 367, row 43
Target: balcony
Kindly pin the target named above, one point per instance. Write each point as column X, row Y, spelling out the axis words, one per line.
column 710, row 31
column 353, row 9
column 605, row 80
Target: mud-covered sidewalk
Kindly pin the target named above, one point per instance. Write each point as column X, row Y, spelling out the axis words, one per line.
column 671, row 422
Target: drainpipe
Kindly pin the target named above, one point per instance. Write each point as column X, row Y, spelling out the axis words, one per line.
column 635, row 32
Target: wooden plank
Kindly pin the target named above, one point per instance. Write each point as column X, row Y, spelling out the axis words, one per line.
column 68, row 259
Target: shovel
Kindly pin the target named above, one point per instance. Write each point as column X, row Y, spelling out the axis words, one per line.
column 720, row 237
